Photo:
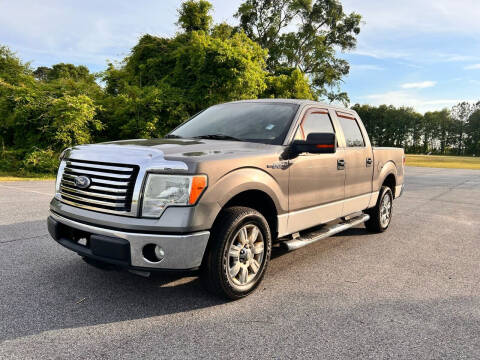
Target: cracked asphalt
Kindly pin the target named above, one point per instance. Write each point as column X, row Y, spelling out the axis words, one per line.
column 410, row 293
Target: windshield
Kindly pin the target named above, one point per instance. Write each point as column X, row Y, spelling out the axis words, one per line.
column 266, row 123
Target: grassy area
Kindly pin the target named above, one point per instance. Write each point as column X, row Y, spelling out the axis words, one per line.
column 27, row 177
column 451, row 162
column 24, row 164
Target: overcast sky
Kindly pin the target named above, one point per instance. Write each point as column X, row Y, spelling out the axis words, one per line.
column 420, row 53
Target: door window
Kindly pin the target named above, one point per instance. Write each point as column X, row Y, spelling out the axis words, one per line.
column 314, row 122
column 351, row 130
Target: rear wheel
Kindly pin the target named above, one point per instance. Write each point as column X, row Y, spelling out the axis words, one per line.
column 381, row 214
column 239, row 254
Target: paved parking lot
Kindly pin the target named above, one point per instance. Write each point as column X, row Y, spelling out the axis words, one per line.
column 412, row 292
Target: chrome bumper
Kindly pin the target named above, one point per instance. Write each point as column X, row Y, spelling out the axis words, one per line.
column 182, row 252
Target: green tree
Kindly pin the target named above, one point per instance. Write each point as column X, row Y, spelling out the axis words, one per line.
column 445, row 131
column 145, row 112
column 293, row 85
column 72, row 117
column 473, row 131
column 47, row 111
column 461, row 113
column 439, row 132
column 416, row 133
column 18, row 94
column 41, row 73
column 194, row 16
column 69, row 71
column 188, row 72
column 223, row 31
column 212, row 70
column 321, row 27
column 390, row 126
column 22, row 109
column 12, row 70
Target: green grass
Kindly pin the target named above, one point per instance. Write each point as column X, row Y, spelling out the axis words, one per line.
column 25, row 177
column 449, row 162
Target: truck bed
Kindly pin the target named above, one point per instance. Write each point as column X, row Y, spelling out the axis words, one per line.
column 384, row 155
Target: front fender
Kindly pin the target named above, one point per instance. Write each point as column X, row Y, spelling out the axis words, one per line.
column 248, row 178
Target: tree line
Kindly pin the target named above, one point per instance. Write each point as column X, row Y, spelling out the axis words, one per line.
column 279, row 49
column 453, row 131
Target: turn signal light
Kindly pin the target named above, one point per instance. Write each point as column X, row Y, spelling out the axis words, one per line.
column 199, row 183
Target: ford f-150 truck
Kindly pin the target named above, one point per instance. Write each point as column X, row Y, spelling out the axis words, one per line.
column 221, row 188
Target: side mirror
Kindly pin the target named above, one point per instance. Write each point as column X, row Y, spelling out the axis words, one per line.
column 316, row 143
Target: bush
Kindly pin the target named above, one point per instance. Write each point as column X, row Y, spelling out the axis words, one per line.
column 11, row 161
column 41, row 162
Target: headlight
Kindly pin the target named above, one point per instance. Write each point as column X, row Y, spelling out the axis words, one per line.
column 59, row 179
column 62, row 154
column 164, row 190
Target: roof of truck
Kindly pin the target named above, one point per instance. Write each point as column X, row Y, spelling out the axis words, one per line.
column 298, row 102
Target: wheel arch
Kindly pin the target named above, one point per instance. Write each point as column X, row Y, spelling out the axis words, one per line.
column 391, row 182
column 260, row 201
column 387, row 177
column 252, row 187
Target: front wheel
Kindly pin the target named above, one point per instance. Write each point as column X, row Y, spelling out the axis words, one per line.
column 240, row 250
column 381, row 214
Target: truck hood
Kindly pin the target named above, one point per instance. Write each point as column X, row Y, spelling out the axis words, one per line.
column 193, row 148
column 175, row 153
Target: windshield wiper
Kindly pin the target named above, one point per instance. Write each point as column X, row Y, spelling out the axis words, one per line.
column 171, row 136
column 217, row 137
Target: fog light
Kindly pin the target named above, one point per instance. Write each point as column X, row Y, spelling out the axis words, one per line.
column 153, row 253
column 159, row 253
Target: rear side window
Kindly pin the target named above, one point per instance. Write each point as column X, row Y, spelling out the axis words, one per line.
column 351, row 130
column 314, row 122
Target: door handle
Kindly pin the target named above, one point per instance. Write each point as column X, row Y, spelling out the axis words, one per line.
column 369, row 162
column 340, row 164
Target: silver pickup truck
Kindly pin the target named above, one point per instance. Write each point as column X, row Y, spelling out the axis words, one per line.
column 224, row 187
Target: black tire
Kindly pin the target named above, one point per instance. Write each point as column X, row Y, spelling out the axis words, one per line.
column 375, row 223
column 216, row 270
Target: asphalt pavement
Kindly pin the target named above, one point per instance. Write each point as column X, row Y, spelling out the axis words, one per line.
column 412, row 292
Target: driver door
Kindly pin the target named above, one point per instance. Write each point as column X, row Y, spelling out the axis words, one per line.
column 317, row 181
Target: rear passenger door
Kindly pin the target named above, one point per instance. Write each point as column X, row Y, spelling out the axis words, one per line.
column 358, row 163
column 316, row 185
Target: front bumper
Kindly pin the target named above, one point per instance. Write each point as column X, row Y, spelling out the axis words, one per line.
column 175, row 219
column 126, row 249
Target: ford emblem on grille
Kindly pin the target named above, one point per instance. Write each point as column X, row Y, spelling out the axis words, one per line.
column 82, row 182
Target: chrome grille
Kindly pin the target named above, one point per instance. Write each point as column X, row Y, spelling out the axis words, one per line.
column 110, row 190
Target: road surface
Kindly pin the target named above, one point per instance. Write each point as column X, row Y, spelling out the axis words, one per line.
column 412, row 292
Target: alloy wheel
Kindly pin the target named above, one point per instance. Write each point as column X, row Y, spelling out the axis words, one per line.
column 245, row 256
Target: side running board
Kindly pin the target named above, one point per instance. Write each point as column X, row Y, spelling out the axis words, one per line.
column 324, row 232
